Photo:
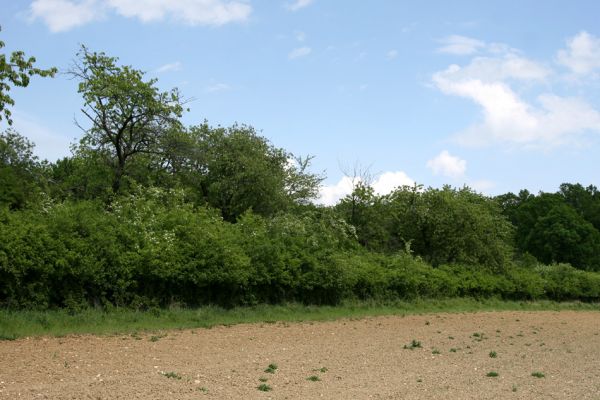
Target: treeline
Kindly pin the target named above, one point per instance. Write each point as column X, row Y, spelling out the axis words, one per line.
column 147, row 213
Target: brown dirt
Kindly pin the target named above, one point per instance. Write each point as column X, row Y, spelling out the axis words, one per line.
column 364, row 359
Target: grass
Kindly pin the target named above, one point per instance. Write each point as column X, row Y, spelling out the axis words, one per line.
column 414, row 344
column 18, row 324
column 492, row 374
column 538, row 374
column 271, row 369
column 263, row 387
column 172, row 375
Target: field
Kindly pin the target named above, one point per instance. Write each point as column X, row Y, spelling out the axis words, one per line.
column 480, row 355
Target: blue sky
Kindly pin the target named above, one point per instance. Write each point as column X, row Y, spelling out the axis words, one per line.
column 498, row 95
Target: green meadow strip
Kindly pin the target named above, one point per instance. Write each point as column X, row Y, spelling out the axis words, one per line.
column 18, row 324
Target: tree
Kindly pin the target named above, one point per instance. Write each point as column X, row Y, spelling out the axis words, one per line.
column 128, row 115
column 237, row 169
column 586, row 201
column 20, row 170
column 562, row 235
column 450, row 226
column 16, row 70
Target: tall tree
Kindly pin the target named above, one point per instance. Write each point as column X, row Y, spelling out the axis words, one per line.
column 128, row 114
column 16, row 70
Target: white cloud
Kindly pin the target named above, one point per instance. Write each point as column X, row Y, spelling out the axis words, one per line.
column 193, row 12
column 392, row 54
column 494, row 83
column 217, row 87
column 331, row 194
column 510, row 119
column 582, row 55
column 447, row 165
column 171, row 67
column 388, row 181
column 298, row 4
column 460, row 45
column 299, row 52
column 62, row 15
column 493, row 69
column 384, row 184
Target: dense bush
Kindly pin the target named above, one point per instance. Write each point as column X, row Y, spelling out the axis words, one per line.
column 154, row 248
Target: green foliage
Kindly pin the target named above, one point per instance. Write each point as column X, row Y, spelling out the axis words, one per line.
column 241, row 171
column 450, row 226
column 16, row 70
column 263, row 387
column 557, row 227
column 127, row 114
column 21, row 174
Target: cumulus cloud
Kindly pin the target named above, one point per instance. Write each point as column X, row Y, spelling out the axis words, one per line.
column 299, row 52
column 384, row 184
column 508, row 118
column 460, row 45
column 582, row 55
column 388, row 181
column 298, row 4
column 62, row 15
column 447, row 165
column 493, row 83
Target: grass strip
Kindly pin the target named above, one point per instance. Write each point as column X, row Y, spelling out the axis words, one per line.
column 18, row 324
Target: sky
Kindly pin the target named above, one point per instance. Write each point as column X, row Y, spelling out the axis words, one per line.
column 497, row 95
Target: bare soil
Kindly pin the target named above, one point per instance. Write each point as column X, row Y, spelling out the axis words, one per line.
column 360, row 359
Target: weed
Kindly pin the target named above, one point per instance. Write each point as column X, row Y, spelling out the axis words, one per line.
column 313, row 378
column 538, row 374
column 203, row 389
column 262, row 379
column 413, row 345
column 451, row 337
column 453, row 350
column 172, row 375
column 419, row 380
column 493, row 354
column 322, row 369
column 271, row 369
column 435, row 351
column 514, row 388
column 263, row 387
column 492, row 374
